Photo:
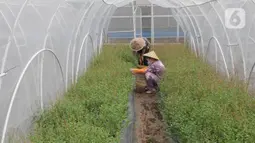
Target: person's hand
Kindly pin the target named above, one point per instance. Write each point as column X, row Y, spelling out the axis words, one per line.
column 141, row 66
column 132, row 71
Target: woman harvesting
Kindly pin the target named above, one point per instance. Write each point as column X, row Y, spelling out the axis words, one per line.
column 153, row 73
column 140, row 46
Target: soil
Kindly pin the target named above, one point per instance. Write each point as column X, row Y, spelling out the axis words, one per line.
column 149, row 127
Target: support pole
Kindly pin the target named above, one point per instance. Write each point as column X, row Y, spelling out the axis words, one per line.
column 134, row 18
column 141, row 23
column 178, row 33
column 152, row 25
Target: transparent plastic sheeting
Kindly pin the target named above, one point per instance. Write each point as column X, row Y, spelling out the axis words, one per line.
column 211, row 35
column 45, row 45
column 122, row 24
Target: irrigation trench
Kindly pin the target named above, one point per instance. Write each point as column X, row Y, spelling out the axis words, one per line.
column 146, row 125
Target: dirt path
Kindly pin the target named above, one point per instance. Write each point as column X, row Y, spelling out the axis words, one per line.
column 149, row 127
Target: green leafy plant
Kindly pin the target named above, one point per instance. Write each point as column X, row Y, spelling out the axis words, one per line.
column 201, row 106
column 93, row 110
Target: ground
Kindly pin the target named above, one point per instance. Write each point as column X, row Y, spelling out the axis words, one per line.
column 197, row 104
column 149, row 126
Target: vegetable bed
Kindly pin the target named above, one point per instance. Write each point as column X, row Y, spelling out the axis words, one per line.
column 92, row 111
column 199, row 106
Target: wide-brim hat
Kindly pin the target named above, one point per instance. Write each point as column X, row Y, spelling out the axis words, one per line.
column 137, row 44
column 151, row 54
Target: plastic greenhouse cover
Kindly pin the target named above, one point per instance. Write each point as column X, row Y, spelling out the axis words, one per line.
column 61, row 37
column 163, row 3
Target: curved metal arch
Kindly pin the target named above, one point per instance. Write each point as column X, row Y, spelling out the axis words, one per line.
column 12, row 36
column 79, row 58
column 44, row 47
column 52, row 18
column 188, row 19
column 199, row 30
column 249, row 31
column 21, row 29
column 36, row 10
column 6, row 21
column 19, row 14
column 184, row 6
column 192, row 42
column 253, row 40
column 4, row 61
column 41, row 72
column 178, row 19
column 241, row 5
column 13, row 30
column 103, row 34
column 222, row 54
column 99, row 25
column 101, row 40
column 62, row 17
column 61, row 27
column 187, row 31
column 187, row 11
column 19, row 82
column 197, row 4
column 230, row 49
column 71, row 7
column 250, row 38
column 192, row 24
column 76, row 35
column 5, row 54
column 184, row 21
column 108, row 3
column 186, row 35
column 249, row 78
column 111, row 3
column 68, row 54
column 109, row 19
column 212, row 28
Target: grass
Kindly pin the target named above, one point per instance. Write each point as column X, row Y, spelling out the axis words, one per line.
column 93, row 110
column 199, row 106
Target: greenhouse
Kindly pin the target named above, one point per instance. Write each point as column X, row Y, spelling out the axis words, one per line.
column 65, row 71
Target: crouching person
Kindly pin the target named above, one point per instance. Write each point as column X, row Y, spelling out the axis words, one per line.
column 154, row 72
column 140, row 46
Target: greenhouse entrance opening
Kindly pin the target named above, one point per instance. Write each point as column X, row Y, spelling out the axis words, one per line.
column 143, row 19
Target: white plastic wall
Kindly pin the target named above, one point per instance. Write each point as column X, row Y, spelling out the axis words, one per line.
column 45, row 45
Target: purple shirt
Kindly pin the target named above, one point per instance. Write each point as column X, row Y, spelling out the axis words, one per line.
column 156, row 68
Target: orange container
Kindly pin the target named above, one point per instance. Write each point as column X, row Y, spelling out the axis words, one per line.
column 139, row 71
